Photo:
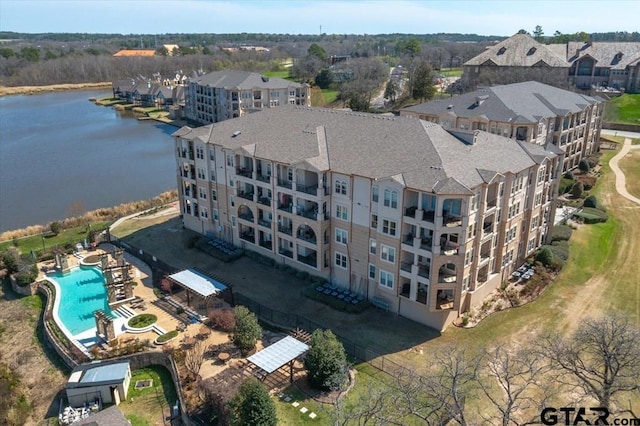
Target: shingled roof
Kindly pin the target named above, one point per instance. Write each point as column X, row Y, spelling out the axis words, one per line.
column 525, row 102
column 519, row 50
column 378, row 147
column 234, row 79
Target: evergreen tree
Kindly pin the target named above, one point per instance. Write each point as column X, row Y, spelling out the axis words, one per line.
column 252, row 406
column 247, row 330
column 326, row 361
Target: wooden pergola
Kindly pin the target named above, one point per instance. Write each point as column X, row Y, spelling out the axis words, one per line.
column 276, row 356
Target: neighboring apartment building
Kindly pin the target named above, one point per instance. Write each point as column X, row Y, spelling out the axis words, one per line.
column 220, row 95
column 393, row 208
column 575, row 64
column 530, row 112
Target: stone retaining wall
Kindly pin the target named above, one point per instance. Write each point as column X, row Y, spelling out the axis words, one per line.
column 621, row 126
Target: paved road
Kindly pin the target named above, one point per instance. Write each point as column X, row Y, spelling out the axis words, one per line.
column 621, row 183
column 620, row 133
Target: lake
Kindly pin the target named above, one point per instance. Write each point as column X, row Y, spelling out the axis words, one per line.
column 61, row 155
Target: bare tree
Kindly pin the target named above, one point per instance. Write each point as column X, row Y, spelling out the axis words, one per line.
column 511, row 382
column 194, row 356
column 373, row 407
column 601, row 359
column 364, row 77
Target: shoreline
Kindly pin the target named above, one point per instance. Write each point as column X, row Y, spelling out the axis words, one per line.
column 34, row 90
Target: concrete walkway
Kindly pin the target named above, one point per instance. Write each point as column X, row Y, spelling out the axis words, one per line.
column 621, row 182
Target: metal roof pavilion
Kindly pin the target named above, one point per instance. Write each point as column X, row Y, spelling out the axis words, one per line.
column 198, row 283
column 280, row 353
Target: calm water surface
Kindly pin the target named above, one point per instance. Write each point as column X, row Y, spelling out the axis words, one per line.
column 61, row 154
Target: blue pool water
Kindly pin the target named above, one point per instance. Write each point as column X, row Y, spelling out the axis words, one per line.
column 82, row 291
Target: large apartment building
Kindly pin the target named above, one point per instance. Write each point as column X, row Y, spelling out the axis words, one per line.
column 221, row 95
column 584, row 65
column 530, row 112
column 426, row 220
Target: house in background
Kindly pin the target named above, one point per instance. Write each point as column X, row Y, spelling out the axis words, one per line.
column 530, row 112
column 221, row 95
column 421, row 220
column 582, row 65
column 135, row 52
column 103, row 382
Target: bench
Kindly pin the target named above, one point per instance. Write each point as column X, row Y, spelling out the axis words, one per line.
column 380, row 303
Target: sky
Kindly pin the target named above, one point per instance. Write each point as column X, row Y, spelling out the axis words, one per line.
column 483, row 17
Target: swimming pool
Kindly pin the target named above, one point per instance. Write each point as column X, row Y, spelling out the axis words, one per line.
column 81, row 291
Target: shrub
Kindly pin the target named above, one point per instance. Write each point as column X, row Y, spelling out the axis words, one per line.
column 167, row 336
column 565, row 185
column 561, row 233
column 577, row 190
column 223, row 319
column 569, row 175
column 55, row 227
column 326, row 361
column 591, row 201
column 142, row 320
column 544, row 256
column 252, row 405
column 591, row 215
column 247, row 330
column 179, row 310
column 583, row 165
column 560, row 249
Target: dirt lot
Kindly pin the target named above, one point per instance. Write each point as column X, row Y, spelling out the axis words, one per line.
column 31, row 90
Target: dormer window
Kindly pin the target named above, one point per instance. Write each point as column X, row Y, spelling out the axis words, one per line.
column 502, row 50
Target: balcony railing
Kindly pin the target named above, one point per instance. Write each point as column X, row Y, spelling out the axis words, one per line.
column 244, row 172
column 406, row 266
column 408, row 239
column 451, row 220
column 423, row 271
column 248, row 236
column 428, row 216
column 447, row 276
column 410, row 211
column 450, row 249
column 285, row 230
column 285, row 183
column 246, row 195
column 265, row 201
column 285, row 207
column 285, row 252
column 308, row 260
column 265, row 223
column 246, row 216
column 307, row 189
column 492, row 203
column 307, row 237
column 263, row 178
column 426, row 243
column 266, row 244
column 309, row 214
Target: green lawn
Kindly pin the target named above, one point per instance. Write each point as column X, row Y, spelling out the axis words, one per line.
column 624, row 109
column 329, row 96
column 66, row 236
column 149, row 406
column 280, row 74
column 451, row 72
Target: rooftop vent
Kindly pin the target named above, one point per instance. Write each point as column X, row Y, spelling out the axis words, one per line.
column 531, row 51
column 502, row 50
column 449, row 106
column 265, row 79
column 236, row 133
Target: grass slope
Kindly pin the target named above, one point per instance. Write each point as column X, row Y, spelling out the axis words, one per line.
column 624, row 109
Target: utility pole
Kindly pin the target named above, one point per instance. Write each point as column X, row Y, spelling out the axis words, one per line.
column 320, row 29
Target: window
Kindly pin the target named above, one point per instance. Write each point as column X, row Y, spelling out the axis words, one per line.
column 374, row 221
column 465, row 283
column 341, row 260
column 200, row 152
column 507, row 258
column 531, row 245
column 290, row 174
column 474, row 203
column 213, row 175
column 342, row 236
column 471, row 231
column 391, row 199
column 372, row 271
column 374, row 194
column 230, row 160
column 386, row 279
column 468, row 257
column 215, row 214
column 204, row 213
column 389, row 227
column 342, row 212
column 214, row 195
column 202, row 193
column 511, row 234
column 212, row 154
column 372, row 246
column 341, row 187
column 388, row 253
column 541, row 173
column 534, row 223
column 233, row 221
column 233, row 201
column 538, row 199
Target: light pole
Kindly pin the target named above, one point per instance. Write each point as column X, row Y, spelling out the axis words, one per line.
column 43, row 243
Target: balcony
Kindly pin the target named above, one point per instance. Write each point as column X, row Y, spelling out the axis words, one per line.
column 286, row 207
column 285, row 229
column 246, row 195
column 307, row 189
column 285, row 183
column 309, row 214
column 450, row 249
column 244, row 172
column 406, row 266
column 426, row 243
column 450, row 220
column 447, row 275
column 248, row 236
column 424, row 270
column 308, row 260
column 246, row 216
column 306, row 233
column 285, row 252
column 410, row 211
column 263, row 178
column 264, row 222
column 408, row 240
column 266, row 244
column 492, row 203
column 265, row 201
column 429, row 216
column 406, row 290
